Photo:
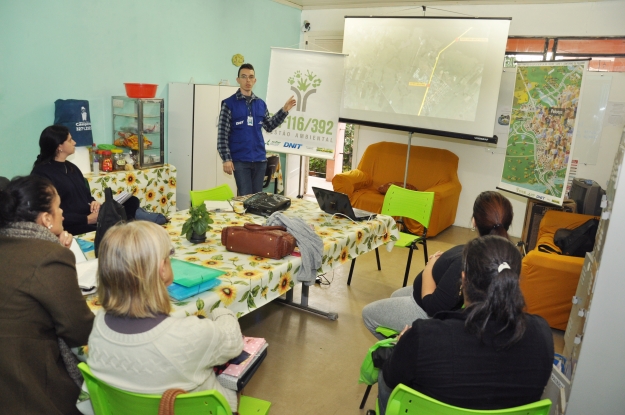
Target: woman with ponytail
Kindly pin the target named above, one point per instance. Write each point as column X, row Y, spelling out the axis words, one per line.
column 437, row 287
column 42, row 308
column 491, row 355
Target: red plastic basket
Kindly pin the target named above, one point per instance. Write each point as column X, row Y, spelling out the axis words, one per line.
column 140, row 90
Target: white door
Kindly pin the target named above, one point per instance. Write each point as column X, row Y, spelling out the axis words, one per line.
column 221, row 177
column 180, row 138
column 205, row 136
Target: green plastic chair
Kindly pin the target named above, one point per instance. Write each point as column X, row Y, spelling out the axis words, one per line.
column 223, row 192
column 410, row 204
column 107, row 400
column 406, row 401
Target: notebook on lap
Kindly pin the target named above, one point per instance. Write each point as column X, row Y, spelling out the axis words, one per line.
column 332, row 203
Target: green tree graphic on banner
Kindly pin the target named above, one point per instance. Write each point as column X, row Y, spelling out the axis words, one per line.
column 300, row 83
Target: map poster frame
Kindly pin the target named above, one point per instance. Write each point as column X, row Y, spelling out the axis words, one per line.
column 543, row 127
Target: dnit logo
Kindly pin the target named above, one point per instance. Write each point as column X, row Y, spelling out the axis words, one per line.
column 300, row 83
column 292, row 145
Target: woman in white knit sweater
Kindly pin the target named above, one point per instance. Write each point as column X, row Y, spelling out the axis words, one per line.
column 135, row 345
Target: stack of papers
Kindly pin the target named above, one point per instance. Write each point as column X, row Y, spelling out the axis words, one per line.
column 122, row 197
column 218, row 206
column 236, row 376
column 77, row 250
column 87, row 276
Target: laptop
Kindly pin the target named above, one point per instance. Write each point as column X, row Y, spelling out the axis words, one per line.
column 338, row 203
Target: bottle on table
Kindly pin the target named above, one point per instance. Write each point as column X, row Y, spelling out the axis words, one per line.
column 90, row 150
column 96, row 162
column 118, row 159
column 107, row 161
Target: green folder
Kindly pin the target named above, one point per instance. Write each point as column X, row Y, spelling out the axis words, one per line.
column 190, row 275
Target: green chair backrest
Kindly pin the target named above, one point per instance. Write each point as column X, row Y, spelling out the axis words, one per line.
column 107, row 400
column 409, row 203
column 407, row 401
column 223, row 192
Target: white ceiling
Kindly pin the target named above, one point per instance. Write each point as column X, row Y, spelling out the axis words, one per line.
column 333, row 4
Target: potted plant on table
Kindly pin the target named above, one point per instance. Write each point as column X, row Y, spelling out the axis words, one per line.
column 194, row 229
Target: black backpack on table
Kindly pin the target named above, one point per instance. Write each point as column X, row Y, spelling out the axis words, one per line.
column 111, row 213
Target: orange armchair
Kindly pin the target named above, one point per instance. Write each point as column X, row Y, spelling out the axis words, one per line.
column 548, row 280
column 430, row 170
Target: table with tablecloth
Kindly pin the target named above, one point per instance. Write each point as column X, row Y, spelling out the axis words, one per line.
column 250, row 281
column 155, row 188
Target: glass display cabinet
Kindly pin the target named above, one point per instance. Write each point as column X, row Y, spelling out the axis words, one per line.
column 138, row 124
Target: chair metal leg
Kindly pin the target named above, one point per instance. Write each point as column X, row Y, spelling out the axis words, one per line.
column 351, row 271
column 424, row 242
column 408, row 265
column 377, row 256
column 364, row 398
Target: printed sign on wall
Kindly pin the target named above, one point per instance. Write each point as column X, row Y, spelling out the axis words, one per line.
column 315, row 79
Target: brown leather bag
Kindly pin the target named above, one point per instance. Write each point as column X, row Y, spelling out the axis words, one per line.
column 266, row 241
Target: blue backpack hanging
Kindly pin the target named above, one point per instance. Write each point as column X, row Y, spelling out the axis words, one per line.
column 74, row 114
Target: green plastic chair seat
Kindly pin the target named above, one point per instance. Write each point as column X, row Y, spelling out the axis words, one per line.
column 223, row 192
column 108, row 400
column 407, row 401
column 406, row 239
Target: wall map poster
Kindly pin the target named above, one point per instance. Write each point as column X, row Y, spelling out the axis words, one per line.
column 542, row 129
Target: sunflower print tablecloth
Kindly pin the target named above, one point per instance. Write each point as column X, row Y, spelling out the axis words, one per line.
column 251, row 281
column 155, row 188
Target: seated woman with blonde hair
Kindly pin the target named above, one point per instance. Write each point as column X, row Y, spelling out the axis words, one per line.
column 135, row 344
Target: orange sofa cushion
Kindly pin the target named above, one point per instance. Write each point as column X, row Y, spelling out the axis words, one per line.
column 548, row 280
column 430, row 170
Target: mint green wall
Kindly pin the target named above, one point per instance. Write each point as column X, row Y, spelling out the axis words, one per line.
column 87, row 49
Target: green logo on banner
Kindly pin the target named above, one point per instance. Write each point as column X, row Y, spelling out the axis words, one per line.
column 300, row 83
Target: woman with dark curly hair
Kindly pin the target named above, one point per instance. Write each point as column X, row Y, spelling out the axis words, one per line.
column 437, row 287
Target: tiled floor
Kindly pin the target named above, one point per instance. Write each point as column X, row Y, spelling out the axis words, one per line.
column 313, row 363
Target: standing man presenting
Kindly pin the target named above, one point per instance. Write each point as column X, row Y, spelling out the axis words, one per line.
column 239, row 139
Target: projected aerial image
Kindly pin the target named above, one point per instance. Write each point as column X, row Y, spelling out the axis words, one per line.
column 415, row 71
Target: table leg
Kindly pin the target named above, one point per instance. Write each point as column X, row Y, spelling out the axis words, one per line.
column 303, row 304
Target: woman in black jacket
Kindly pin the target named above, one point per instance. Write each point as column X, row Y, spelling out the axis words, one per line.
column 491, row 355
column 80, row 209
column 437, row 287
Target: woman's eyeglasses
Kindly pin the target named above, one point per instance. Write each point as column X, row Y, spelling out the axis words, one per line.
column 172, row 251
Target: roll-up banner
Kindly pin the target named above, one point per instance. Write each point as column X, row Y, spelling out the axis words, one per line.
column 315, row 79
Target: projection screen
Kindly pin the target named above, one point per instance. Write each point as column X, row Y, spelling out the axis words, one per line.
column 435, row 75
